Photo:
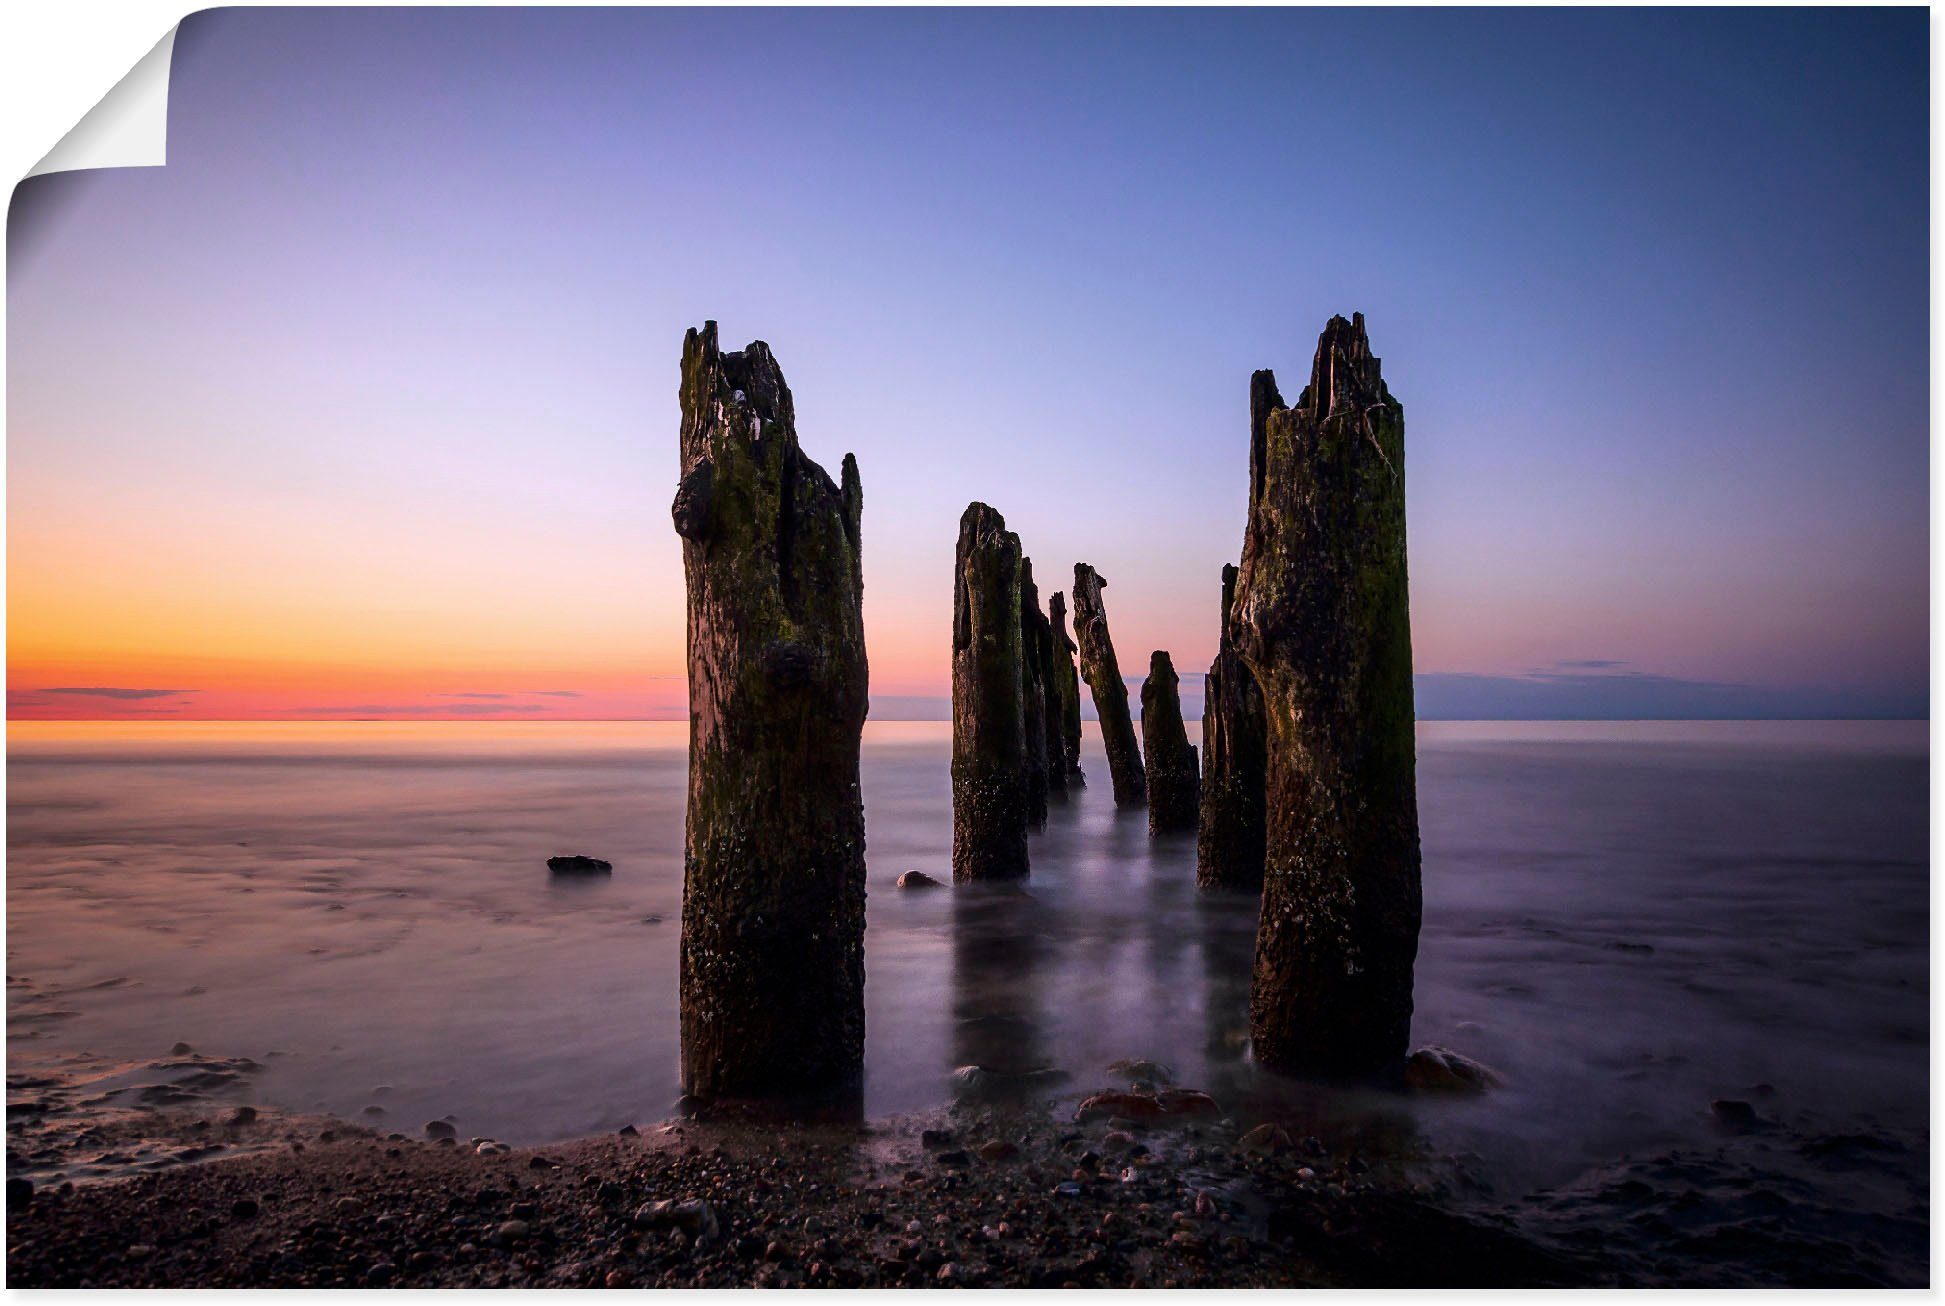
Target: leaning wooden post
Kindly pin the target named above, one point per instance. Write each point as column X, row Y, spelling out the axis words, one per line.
column 772, row 957
column 1103, row 676
column 989, row 769
column 1324, row 623
column 1229, row 838
column 1067, row 688
column 1174, row 786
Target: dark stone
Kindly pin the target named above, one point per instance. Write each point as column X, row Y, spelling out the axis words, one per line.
column 1323, row 622
column 918, row 880
column 772, row 950
column 244, row 1208
column 1732, row 1113
column 1229, row 836
column 437, row 1129
column 1174, row 784
column 1066, row 690
column 1441, row 1070
column 1036, row 666
column 628, row 1131
column 20, row 1191
column 1103, row 676
column 579, row 866
column 990, row 806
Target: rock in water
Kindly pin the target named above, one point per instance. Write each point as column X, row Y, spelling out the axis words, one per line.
column 1322, row 621
column 1067, row 689
column 772, row 957
column 1441, row 1070
column 1036, row 653
column 990, row 805
column 579, row 866
column 1229, row 837
column 1174, row 785
column 918, row 880
column 1103, row 676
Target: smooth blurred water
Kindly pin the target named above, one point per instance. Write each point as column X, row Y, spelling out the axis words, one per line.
column 1626, row 919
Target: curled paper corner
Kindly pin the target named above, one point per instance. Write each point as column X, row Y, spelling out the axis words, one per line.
column 128, row 128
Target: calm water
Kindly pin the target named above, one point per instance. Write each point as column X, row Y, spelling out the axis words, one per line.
column 1627, row 920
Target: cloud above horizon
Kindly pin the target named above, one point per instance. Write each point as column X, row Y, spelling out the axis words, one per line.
column 110, row 691
column 421, row 709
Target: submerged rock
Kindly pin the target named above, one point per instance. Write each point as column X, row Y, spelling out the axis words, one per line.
column 1272, row 1139
column 1733, row 1114
column 1132, row 1105
column 980, row 1081
column 918, row 880
column 1441, row 1070
column 578, row 865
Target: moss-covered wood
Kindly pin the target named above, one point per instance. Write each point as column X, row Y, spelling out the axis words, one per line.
column 990, row 806
column 1174, row 786
column 1229, row 837
column 1103, row 676
column 1036, row 655
column 772, row 954
column 1067, row 689
column 1322, row 619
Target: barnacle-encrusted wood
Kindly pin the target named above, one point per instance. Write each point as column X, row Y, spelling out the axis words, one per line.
column 1067, row 690
column 1322, row 619
column 772, row 961
column 1103, row 676
column 1174, row 787
column 1229, row 837
column 989, row 764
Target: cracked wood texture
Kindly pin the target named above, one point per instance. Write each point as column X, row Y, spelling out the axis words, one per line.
column 990, row 805
column 1322, row 620
column 772, row 954
column 1036, row 656
column 1067, row 691
column 1174, row 787
column 1103, row 676
column 1229, row 838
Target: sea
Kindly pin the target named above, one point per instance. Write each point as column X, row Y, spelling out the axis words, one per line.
column 1630, row 922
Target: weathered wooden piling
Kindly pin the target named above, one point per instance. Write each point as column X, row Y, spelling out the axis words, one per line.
column 1103, row 676
column 1174, row 786
column 772, row 952
column 1067, row 689
column 1229, row 837
column 1323, row 622
column 990, row 805
column 1036, row 646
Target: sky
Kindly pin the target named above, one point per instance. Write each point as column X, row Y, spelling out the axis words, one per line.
column 365, row 404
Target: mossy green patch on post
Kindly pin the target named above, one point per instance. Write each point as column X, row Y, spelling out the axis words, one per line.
column 991, row 803
column 1322, row 620
column 772, row 953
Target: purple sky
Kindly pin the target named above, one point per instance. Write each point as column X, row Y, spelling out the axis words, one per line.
column 371, row 391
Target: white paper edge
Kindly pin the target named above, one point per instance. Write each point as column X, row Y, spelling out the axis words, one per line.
column 129, row 128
